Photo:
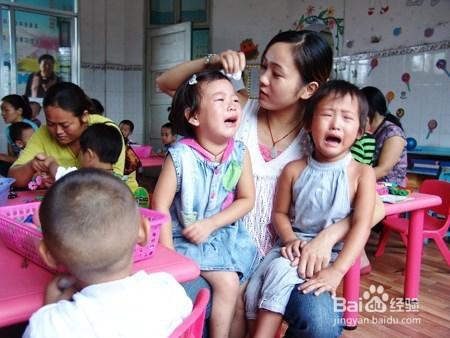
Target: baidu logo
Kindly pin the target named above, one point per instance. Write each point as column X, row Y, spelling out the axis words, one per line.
column 375, row 300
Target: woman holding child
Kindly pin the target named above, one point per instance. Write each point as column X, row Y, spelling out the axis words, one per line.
column 294, row 65
column 66, row 108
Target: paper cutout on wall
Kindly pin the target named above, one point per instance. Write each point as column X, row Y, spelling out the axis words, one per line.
column 406, row 77
column 400, row 113
column 375, row 38
column 325, row 23
column 442, row 64
column 378, row 6
column 432, row 124
column 390, row 95
column 397, row 31
column 428, row 33
column 249, row 48
column 420, row 2
column 373, row 64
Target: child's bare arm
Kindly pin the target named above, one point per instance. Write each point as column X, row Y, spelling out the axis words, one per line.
column 364, row 202
column 162, row 199
column 280, row 212
column 199, row 231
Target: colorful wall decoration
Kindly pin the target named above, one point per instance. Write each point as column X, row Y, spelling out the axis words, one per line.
column 325, row 21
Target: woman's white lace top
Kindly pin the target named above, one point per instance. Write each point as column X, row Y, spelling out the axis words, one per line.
column 265, row 174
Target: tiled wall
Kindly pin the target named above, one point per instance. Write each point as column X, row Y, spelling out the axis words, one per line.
column 112, row 58
column 429, row 87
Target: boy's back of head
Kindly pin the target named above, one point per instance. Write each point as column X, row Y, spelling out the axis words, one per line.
column 90, row 223
column 105, row 140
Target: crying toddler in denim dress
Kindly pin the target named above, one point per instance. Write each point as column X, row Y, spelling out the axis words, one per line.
column 206, row 185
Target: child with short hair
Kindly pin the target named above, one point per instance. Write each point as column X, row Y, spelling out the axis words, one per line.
column 100, row 146
column 312, row 193
column 127, row 128
column 206, row 186
column 168, row 138
column 20, row 133
column 91, row 224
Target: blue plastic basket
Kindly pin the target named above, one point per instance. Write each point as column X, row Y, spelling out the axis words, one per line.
column 5, row 183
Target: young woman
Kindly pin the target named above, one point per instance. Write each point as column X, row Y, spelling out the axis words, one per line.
column 293, row 65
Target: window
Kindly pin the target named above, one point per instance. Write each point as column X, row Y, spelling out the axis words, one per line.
column 29, row 32
column 167, row 12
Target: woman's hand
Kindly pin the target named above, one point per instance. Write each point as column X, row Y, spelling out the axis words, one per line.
column 326, row 280
column 315, row 255
column 198, row 232
column 232, row 61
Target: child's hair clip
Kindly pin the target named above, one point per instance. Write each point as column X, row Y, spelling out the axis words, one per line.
column 193, row 80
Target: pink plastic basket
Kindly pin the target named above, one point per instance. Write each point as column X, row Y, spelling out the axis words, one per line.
column 24, row 238
column 142, row 151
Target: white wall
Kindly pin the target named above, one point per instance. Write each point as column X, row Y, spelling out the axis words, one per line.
column 235, row 20
column 112, row 58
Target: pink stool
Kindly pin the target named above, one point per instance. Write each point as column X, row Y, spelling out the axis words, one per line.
column 192, row 325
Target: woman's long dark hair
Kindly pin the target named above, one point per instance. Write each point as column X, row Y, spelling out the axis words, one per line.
column 312, row 54
column 377, row 104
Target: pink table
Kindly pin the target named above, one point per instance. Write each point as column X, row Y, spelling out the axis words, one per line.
column 25, row 197
column 152, row 161
column 22, row 289
column 416, row 206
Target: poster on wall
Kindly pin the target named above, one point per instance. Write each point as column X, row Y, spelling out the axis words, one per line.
column 36, row 34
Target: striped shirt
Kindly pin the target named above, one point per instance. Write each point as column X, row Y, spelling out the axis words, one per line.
column 364, row 149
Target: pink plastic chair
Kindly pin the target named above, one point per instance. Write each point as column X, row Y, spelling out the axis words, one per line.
column 433, row 227
column 192, row 325
column 142, row 151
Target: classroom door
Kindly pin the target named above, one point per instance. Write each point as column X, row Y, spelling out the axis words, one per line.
column 166, row 47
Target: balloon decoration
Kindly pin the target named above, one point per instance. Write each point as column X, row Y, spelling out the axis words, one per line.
column 432, row 125
column 373, row 64
column 411, row 143
column 406, row 77
column 442, row 64
column 400, row 113
column 390, row 95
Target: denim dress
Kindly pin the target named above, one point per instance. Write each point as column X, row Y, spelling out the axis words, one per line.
column 205, row 188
